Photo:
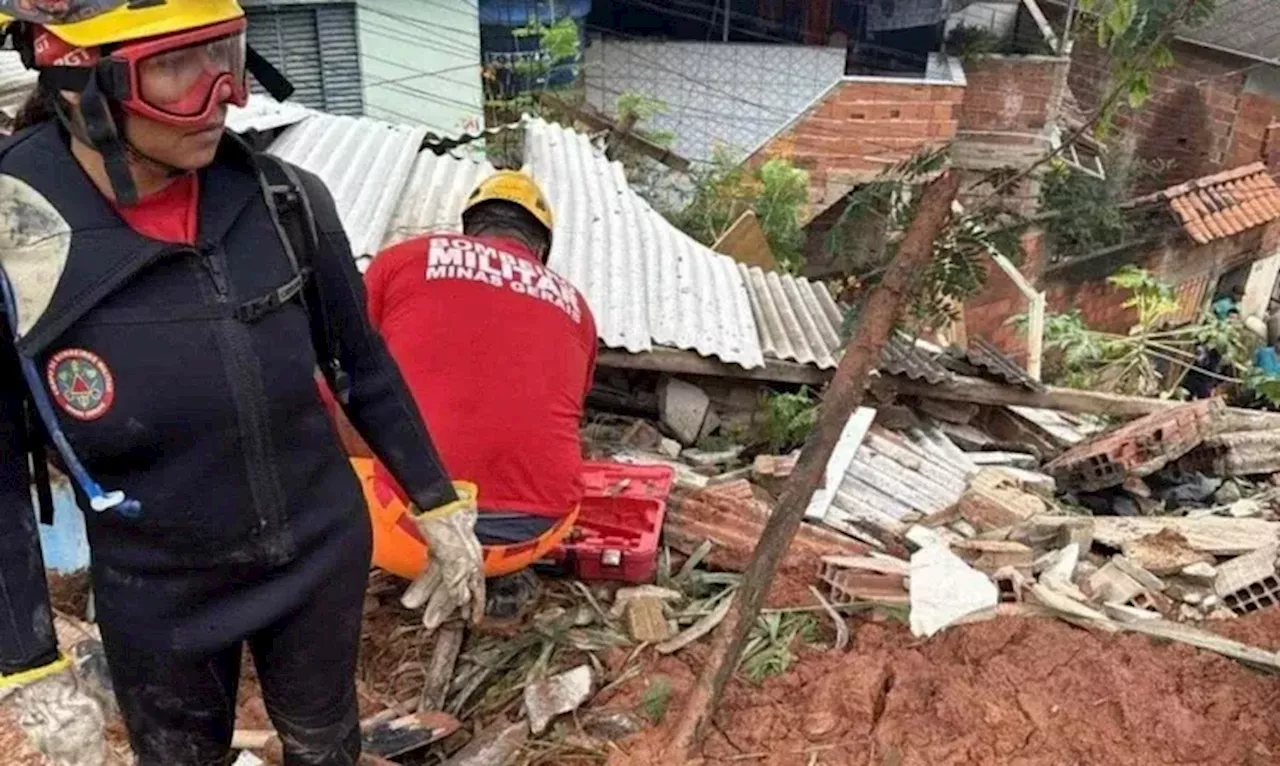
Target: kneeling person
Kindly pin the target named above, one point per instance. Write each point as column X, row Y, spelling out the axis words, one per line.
column 498, row 352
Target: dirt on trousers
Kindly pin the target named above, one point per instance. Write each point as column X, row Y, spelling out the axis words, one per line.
column 1012, row 692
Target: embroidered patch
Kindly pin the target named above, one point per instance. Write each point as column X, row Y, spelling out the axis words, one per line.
column 81, row 383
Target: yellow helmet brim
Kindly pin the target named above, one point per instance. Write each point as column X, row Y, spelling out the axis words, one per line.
column 125, row 23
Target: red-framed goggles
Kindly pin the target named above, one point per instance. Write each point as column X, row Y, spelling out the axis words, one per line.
column 180, row 79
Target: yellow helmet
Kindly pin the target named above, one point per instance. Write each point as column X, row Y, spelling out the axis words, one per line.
column 515, row 187
column 90, row 23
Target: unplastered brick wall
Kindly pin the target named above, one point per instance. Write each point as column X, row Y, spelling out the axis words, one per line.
column 1208, row 112
column 987, row 314
column 862, row 126
column 1016, row 94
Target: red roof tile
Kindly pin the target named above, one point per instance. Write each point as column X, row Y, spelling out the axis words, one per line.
column 1226, row 203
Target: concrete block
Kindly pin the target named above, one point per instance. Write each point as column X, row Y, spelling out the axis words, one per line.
column 684, row 408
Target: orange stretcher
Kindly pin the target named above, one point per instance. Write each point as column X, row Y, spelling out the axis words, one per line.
column 398, row 546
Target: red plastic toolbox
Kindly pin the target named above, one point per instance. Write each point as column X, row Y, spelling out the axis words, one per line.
column 619, row 525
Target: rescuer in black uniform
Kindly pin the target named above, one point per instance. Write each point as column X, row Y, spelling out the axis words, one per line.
column 169, row 295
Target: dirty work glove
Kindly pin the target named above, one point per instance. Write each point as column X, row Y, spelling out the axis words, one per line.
column 454, row 579
column 60, row 719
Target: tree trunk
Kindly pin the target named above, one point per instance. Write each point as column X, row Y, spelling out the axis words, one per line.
column 845, row 394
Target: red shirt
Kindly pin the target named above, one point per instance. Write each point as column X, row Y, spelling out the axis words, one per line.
column 169, row 215
column 499, row 352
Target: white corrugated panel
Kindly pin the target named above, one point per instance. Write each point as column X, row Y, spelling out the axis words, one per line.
column 798, row 320
column 16, row 83
column 365, row 163
column 434, row 196
column 646, row 282
column 265, row 113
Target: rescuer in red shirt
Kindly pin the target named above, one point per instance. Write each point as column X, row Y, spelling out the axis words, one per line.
column 498, row 352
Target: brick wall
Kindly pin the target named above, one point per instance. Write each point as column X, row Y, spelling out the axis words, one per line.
column 986, row 315
column 1012, row 93
column 860, row 127
column 1201, row 117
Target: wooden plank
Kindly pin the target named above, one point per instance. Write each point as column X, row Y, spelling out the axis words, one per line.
column 646, row 620
column 978, row 391
column 1043, row 23
column 746, row 243
column 1219, row 536
column 680, row 362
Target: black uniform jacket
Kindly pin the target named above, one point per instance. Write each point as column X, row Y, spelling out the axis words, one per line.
column 213, row 422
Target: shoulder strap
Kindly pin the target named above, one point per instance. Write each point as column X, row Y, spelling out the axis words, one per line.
column 290, row 208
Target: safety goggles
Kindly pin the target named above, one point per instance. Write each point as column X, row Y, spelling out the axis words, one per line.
column 180, row 79
column 184, row 79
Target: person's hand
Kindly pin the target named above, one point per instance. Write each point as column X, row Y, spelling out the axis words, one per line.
column 60, row 719
column 454, row 580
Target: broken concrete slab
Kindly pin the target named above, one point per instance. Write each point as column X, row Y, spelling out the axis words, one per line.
column 1139, row 448
column 684, row 409
column 669, row 448
column 1041, row 484
column 557, row 695
column 1111, row 585
column 1219, row 536
column 1201, row 572
column 1164, row 553
column 1060, row 567
column 945, row 589
column 625, row 595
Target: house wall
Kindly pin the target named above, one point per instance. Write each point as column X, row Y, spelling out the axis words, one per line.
column 861, row 126
column 1193, row 271
column 1208, row 112
column 421, row 64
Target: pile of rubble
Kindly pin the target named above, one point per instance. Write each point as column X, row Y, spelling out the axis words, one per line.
column 962, row 510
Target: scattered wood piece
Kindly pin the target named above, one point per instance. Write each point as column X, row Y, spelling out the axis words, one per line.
column 959, row 413
column 1164, row 553
column 842, row 627
column 557, row 695
column 1147, row 579
column 994, row 501
column 944, row 589
column 1252, row 656
column 444, row 658
column 1069, row 606
column 1219, row 536
column 699, row 629
column 1004, row 459
column 877, row 564
column 646, row 620
column 991, row 556
column 626, row 595
column 705, row 459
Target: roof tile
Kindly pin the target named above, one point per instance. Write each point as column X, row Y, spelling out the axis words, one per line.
column 1225, row 204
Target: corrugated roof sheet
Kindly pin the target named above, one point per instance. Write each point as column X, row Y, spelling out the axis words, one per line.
column 983, row 355
column 901, row 356
column 365, row 163
column 16, row 82
column 647, row 282
column 434, row 196
column 798, row 321
column 1225, row 204
column 264, row 113
column 1251, row 27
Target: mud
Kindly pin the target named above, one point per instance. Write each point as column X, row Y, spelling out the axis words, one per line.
column 1013, row 692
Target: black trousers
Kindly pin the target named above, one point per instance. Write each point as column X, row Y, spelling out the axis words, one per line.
column 180, row 708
